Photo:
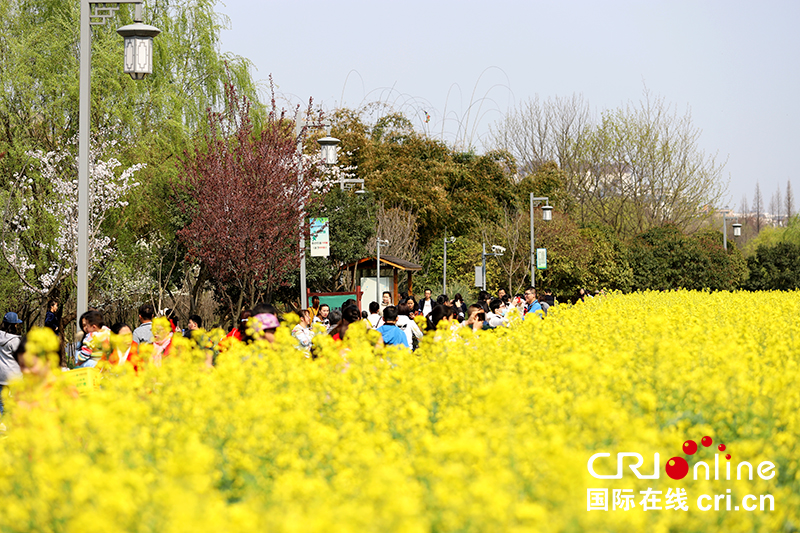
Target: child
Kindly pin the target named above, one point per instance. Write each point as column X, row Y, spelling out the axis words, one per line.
column 97, row 341
column 392, row 335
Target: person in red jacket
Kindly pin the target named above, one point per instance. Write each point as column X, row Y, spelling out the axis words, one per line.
column 241, row 326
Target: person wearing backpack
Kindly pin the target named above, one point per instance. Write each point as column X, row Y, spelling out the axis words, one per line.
column 9, row 341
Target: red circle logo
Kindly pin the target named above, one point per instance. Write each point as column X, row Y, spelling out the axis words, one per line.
column 677, row 468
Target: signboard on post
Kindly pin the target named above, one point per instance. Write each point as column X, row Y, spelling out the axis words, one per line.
column 541, row 258
column 479, row 276
column 320, row 238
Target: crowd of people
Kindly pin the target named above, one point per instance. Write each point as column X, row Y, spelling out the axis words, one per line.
column 397, row 324
column 403, row 324
column 95, row 343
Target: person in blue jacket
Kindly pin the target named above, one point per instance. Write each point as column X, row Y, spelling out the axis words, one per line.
column 532, row 305
column 392, row 335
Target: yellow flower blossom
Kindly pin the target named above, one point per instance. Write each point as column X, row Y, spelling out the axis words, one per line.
column 486, row 431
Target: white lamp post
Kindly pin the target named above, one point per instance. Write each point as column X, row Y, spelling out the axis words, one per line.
column 329, row 146
column 547, row 214
column 330, row 157
column 138, row 63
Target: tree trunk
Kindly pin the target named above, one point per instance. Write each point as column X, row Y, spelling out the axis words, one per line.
column 197, row 288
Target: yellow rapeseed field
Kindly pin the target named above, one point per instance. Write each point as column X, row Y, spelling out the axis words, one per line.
column 486, row 432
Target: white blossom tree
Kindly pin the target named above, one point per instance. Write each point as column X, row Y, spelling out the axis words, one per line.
column 40, row 230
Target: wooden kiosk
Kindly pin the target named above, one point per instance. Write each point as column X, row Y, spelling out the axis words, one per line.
column 392, row 282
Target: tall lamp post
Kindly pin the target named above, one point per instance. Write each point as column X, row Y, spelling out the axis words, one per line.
column 547, row 214
column 328, row 148
column 379, row 243
column 138, row 62
column 737, row 229
column 447, row 240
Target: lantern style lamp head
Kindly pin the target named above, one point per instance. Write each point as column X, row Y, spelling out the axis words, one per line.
column 737, row 230
column 138, row 48
column 328, row 147
column 547, row 212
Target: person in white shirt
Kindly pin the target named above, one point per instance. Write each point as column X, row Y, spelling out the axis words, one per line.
column 302, row 331
column 375, row 319
column 407, row 324
column 323, row 316
column 497, row 313
column 9, row 342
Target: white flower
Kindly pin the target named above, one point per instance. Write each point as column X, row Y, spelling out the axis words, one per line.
column 58, row 169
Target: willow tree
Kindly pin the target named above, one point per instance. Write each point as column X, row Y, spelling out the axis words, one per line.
column 152, row 121
column 40, row 61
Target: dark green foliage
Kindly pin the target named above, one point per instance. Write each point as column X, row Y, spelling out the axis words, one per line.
column 409, row 172
column 474, row 197
column 462, row 258
column 351, row 219
column 478, row 190
column 609, row 265
column 774, row 267
column 568, row 256
column 664, row 258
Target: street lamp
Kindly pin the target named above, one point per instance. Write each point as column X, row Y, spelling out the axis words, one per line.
column 329, row 147
column 138, row 62
column 330, row 156
column 138, row 46
column 447, row 240
column 547, row 214
column 737, row 229
column 379, row 243
column 497, row 251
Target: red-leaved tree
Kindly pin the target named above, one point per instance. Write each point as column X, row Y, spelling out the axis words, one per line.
column 243, row 192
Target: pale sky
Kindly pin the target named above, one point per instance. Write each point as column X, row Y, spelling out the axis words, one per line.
column 735, row 65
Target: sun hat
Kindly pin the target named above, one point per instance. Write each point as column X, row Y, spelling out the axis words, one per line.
column 12, row 318
column 265, row 321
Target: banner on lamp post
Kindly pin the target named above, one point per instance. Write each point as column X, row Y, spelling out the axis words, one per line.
column 320, row 238
column 541, row 258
